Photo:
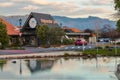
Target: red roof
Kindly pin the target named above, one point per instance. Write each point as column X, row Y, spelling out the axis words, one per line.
column 75, row 30
column 11, row 30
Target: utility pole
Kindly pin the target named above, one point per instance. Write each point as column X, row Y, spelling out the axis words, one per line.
column 97, row 33
column 83, row 42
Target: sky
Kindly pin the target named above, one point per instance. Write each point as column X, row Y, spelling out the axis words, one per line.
column 69, row 8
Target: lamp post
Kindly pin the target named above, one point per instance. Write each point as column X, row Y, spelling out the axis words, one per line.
column 20, row 22
column 20, row 34
column 83, row 43
column 62, row 37
column 61, row 25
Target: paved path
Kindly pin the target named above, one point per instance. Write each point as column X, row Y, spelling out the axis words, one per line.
column 29, row 50
column 34, row 55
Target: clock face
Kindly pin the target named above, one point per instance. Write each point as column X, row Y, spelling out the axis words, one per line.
column 32, row 23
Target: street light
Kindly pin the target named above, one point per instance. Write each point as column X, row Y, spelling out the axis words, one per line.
column 61, row 25
column 62, row 37
column 20, row 22
column 20, row 34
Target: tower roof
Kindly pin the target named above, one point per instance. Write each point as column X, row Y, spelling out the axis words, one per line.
column 41, row 19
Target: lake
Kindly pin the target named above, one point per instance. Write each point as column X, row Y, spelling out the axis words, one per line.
column 102, row 68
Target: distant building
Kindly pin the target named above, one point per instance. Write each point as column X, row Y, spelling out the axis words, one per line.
column 74, row 33
column 69, row 30
column 75, row 30
column 92, row 38
column 29, row 36
column 12, row 31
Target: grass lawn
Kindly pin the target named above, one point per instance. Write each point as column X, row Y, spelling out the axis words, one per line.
column 105, row 52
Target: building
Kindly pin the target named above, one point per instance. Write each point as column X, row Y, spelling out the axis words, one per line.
column 29, row 36
column 12, row 31
column 69, row 30
column 75, row 33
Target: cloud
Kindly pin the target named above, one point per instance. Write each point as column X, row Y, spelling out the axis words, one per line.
column 84, row 12
column 54, row 3
column 55, row 7
column 41, row 2
column 30, row 7
column 18, row 0
column 6, row 4
column 92, row 10
column 97, row 3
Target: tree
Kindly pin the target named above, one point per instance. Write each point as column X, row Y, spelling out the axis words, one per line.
column 117, row 7
column 118, row 25
column 42, row 34
column 4, row 38
column 89, row 31
column 49, row 35
column 55, row 35
column 108, row 32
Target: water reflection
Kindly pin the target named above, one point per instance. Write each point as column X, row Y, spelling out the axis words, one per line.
column 27, row 67
column 102, row 68
column 39, row 65
column 117, row 72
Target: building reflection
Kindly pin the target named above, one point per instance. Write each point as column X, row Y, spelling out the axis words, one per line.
column 39, row 65
column 26, row 67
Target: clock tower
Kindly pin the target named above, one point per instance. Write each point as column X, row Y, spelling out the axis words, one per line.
column 32, row 23
column 29, row 27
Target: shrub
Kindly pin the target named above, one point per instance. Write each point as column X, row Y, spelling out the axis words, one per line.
column 118, row 43
column 17, row 48
column 106, row 46
column 98, row 47
column 105, row 52
column 68, row 41
column 66, row 55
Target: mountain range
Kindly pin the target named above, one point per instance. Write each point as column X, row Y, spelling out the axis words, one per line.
column 81, row 23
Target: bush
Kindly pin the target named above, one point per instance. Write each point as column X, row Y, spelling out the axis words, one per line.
column 105, row 52
column 107, row 47
column 99, row 47
column 118, row 43
column 17, row 48
column 45, row 46
column 68, row 41
column 66, row 55
column 16, row 44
